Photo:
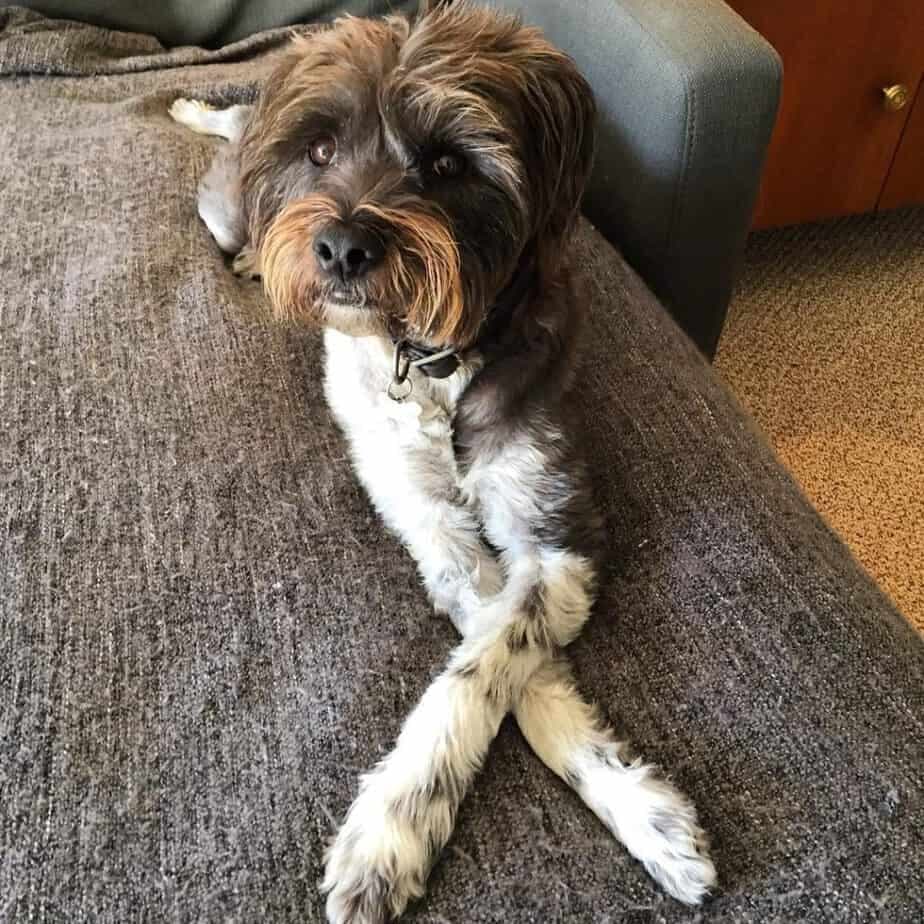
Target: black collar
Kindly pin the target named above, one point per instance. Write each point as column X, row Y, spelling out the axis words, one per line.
column 498, row 317
column 440, row 368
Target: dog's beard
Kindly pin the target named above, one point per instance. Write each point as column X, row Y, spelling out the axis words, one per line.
column 296, row 289
column 416, row 293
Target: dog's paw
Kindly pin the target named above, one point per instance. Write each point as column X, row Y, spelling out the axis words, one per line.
column 375, row 866
column 658, row 825
column 677, row 853
column 247, row 265
column 363, row 899
column 191, row 113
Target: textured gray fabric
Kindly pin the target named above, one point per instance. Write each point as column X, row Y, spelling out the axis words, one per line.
column 205, row 633
column 688, row 95
column 209, row 22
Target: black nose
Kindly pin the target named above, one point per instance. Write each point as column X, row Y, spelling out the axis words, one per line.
column 347, row 252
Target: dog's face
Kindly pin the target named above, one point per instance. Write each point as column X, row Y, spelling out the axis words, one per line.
column 394, row 173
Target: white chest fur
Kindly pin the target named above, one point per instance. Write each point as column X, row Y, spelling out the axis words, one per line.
column 405, row 443
column 358, row 372
column 403, row 455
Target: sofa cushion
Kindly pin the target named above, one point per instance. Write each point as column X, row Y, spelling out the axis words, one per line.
column 209, row 22
column 207, row 634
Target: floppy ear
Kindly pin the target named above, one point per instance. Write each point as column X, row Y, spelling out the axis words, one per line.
column 560, row 117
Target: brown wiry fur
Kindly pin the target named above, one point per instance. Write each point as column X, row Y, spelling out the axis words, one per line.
column 542, row 95
column 289, row 279
column 499, row 91
column 422, row 277
column 424, row 274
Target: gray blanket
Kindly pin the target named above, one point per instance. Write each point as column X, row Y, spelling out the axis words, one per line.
column 205, row 633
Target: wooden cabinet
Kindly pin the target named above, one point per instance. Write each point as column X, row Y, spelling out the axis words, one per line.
column 838, row 146
column 905, row 183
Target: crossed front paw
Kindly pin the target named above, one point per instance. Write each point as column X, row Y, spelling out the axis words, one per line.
column 375, row 866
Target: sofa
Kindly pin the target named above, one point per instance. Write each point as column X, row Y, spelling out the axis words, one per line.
column 205, row 632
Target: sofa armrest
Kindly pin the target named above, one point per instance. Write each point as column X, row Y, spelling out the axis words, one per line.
column 687, row 94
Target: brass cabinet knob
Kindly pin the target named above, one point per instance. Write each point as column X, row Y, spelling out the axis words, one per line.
column 895, row 97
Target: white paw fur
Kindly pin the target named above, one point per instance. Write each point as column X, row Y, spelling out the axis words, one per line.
column 657, row 824
column 376, row 864
column 192, row 114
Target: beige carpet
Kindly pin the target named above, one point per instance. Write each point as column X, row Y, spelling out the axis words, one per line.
column 825, row 346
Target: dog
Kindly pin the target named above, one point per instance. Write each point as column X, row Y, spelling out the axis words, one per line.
column 410, row 186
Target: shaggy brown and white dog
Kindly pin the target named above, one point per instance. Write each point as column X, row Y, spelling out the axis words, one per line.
column 410, row 186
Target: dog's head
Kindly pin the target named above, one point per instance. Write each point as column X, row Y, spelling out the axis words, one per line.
column 395, row 173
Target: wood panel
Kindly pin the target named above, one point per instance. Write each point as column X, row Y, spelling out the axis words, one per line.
column 905, row 184
column 834, row 141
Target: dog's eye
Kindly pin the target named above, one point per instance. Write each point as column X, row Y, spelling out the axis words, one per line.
column 322, row 150
column 448, row 165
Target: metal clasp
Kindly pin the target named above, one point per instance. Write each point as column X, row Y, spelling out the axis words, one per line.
column 400, row 385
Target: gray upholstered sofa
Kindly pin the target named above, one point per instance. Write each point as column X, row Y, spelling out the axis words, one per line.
column 205, row 633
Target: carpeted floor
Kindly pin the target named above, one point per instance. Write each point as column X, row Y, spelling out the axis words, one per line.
column 825, row 346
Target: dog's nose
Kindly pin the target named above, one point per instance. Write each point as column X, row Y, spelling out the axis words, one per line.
column 347, row 252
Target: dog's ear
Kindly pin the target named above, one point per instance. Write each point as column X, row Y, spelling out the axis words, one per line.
column 560, row 122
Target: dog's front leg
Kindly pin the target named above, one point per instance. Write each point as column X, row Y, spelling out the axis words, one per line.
column 406, row 807
column 415, row 490
column 219, row 199
column 228, row 123
column 644, row 811
column 405, row 811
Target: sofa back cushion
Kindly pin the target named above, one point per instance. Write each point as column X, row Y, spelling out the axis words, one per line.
column 210, row 23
